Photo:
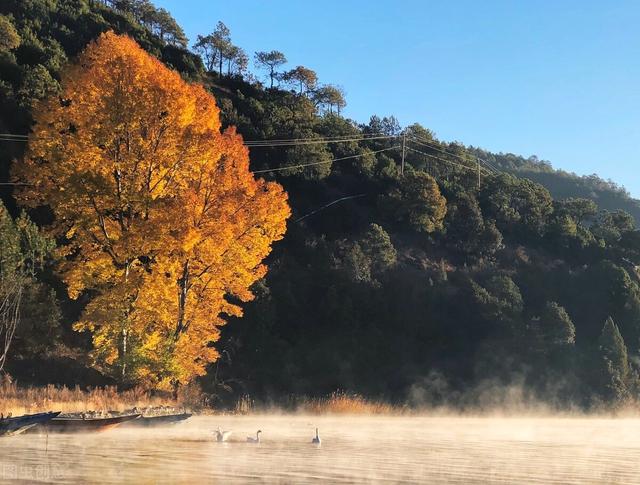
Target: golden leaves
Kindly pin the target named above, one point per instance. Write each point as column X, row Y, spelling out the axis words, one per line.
column 162, row 216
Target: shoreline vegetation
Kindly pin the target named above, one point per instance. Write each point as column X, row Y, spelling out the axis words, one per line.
column 18, row 400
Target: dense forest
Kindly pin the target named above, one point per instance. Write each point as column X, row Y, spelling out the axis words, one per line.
column 412, row 270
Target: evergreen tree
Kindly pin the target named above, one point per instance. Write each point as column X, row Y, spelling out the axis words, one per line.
column 270, row 61
column 23, row 252
column 556, row 326
column 614, row 363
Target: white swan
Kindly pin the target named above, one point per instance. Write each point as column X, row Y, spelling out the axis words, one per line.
column 222, row 435
column 251, row 439
column 316, row 440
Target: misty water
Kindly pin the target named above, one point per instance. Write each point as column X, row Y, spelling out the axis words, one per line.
column 353, row 450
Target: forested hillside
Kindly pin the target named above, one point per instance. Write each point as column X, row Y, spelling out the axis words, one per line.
column 412, row 269
column 605, row 193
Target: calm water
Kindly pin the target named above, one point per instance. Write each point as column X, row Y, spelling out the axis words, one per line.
column 354, row 450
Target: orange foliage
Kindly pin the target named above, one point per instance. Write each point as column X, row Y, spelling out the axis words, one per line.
column 162, row 217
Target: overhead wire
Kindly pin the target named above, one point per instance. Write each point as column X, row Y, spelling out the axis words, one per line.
column 265, row 143
column 348, row 197
column 445, row 161
column 432, row 146
column 302, row 165
column 312, row 141
column 355, row 135
column 490, row 165
column 13, row 137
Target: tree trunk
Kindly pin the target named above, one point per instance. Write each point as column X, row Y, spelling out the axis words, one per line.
column 124, row 334
column 183, row 289
column 125, row 338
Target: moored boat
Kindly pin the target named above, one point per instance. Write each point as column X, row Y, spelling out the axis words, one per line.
column 160, row 420
column 75, row 424
column 19, row 424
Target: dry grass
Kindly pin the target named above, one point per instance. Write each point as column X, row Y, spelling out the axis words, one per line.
column 343, row 403
column 244, row 405
column 26, row 400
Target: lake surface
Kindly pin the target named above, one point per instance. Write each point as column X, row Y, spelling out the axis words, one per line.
column 353, row 450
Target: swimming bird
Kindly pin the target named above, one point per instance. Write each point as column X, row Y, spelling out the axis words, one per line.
column 316, row 440
column 222, row 435
column 251, row 439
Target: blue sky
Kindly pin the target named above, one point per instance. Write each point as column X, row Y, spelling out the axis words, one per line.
column 558, row 79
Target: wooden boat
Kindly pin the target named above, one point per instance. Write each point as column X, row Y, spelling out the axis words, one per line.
column 20, row 424
column 160, row 420
column 76, row 424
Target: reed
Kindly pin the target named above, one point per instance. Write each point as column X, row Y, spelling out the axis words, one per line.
column 344, row 403
column 244, row 405
column 26, row 400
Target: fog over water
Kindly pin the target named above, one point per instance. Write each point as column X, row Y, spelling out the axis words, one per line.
column 353, row 450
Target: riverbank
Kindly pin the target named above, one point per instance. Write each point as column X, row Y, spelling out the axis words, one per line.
column 19, row 400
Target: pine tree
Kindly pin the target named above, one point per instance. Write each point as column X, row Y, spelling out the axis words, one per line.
column 614, row 363
column 556, row 325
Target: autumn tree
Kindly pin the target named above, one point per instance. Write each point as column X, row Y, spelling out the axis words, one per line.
column 165, row 226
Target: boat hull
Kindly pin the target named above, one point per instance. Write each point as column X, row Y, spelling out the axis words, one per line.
column 20, row 424
column 159, row 420
column 79, row 425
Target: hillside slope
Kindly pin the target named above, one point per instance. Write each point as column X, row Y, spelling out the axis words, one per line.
column 413, row 283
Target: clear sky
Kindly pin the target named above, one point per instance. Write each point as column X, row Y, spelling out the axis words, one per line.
column 556, row 78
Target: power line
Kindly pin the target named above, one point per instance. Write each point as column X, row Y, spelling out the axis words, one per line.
column 312, row 141
column 443, row 160
column 348, row 197
column 422, row 141
column 486, row 167
column 491, row 166
column 14, row 139
column 354, row 135
column 11, row 135
column 302, row 165
column 437, row 148
column 260, row 143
